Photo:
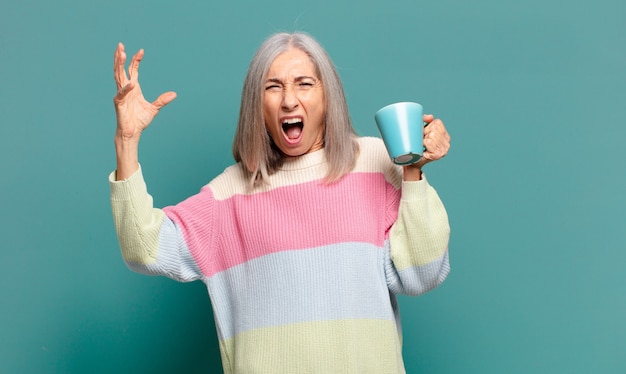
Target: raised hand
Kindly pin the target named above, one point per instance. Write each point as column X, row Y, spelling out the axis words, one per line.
column 134, row 112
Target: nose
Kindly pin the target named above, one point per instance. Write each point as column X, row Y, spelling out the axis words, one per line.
column 290, row 99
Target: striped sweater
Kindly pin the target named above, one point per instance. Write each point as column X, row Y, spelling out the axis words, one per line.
column 302, row 275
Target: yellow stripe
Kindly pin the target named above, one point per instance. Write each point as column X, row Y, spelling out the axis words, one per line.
column 421, row 221
column 346, row 346
column 137, row 223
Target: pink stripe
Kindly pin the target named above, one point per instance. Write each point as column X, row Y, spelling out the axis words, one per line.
column 359, row 208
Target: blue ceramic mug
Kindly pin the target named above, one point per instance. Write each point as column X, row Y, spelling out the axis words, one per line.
column 401, row 126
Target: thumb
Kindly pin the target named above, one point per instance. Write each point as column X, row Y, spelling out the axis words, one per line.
column 164, row 99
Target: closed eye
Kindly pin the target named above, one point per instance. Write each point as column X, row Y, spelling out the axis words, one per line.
column 272, row 87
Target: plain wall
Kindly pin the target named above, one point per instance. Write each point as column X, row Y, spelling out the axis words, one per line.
column 532, row 93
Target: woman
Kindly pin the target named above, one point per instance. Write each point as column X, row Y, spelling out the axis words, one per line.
column 305, row 241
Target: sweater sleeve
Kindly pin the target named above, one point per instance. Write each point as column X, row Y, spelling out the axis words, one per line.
column 150, row 242
column 418, row 241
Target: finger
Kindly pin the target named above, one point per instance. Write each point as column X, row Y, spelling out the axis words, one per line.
column 436, row 126
column 164, row 99
column 119, row 72
column 438, row 151
column 441, row 128
column 427, row 155
column 122, row 92
column 428, row 118
column 118, row 50
column 133, row 69
column 436, row 146
column 432, row 126
column 435, row 122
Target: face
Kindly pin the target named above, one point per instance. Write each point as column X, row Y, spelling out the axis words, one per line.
column 293, row 104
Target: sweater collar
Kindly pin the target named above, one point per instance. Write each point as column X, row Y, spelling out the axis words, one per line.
column 305, row 161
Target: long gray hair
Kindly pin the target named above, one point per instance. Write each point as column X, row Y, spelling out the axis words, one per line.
column 253, row 146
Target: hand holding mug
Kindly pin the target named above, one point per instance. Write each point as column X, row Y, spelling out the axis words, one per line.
column 410, row 136
column 412, row 139
column 436, row 141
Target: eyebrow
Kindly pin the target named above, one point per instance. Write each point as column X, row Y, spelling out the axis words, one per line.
column 299, row 78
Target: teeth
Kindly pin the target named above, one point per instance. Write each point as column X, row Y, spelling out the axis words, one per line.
column 291, row 121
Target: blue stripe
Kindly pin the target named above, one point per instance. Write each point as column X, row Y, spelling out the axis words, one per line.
column 416, row 280
column 173, row 258
column 289, row 287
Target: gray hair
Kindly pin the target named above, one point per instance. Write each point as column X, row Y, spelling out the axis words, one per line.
column 253, row 146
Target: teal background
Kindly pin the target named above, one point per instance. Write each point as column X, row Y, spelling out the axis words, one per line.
column 532, row 93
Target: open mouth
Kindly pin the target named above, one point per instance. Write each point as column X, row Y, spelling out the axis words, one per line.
column 292, row 128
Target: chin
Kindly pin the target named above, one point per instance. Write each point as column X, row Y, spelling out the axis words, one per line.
column 295, row 151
